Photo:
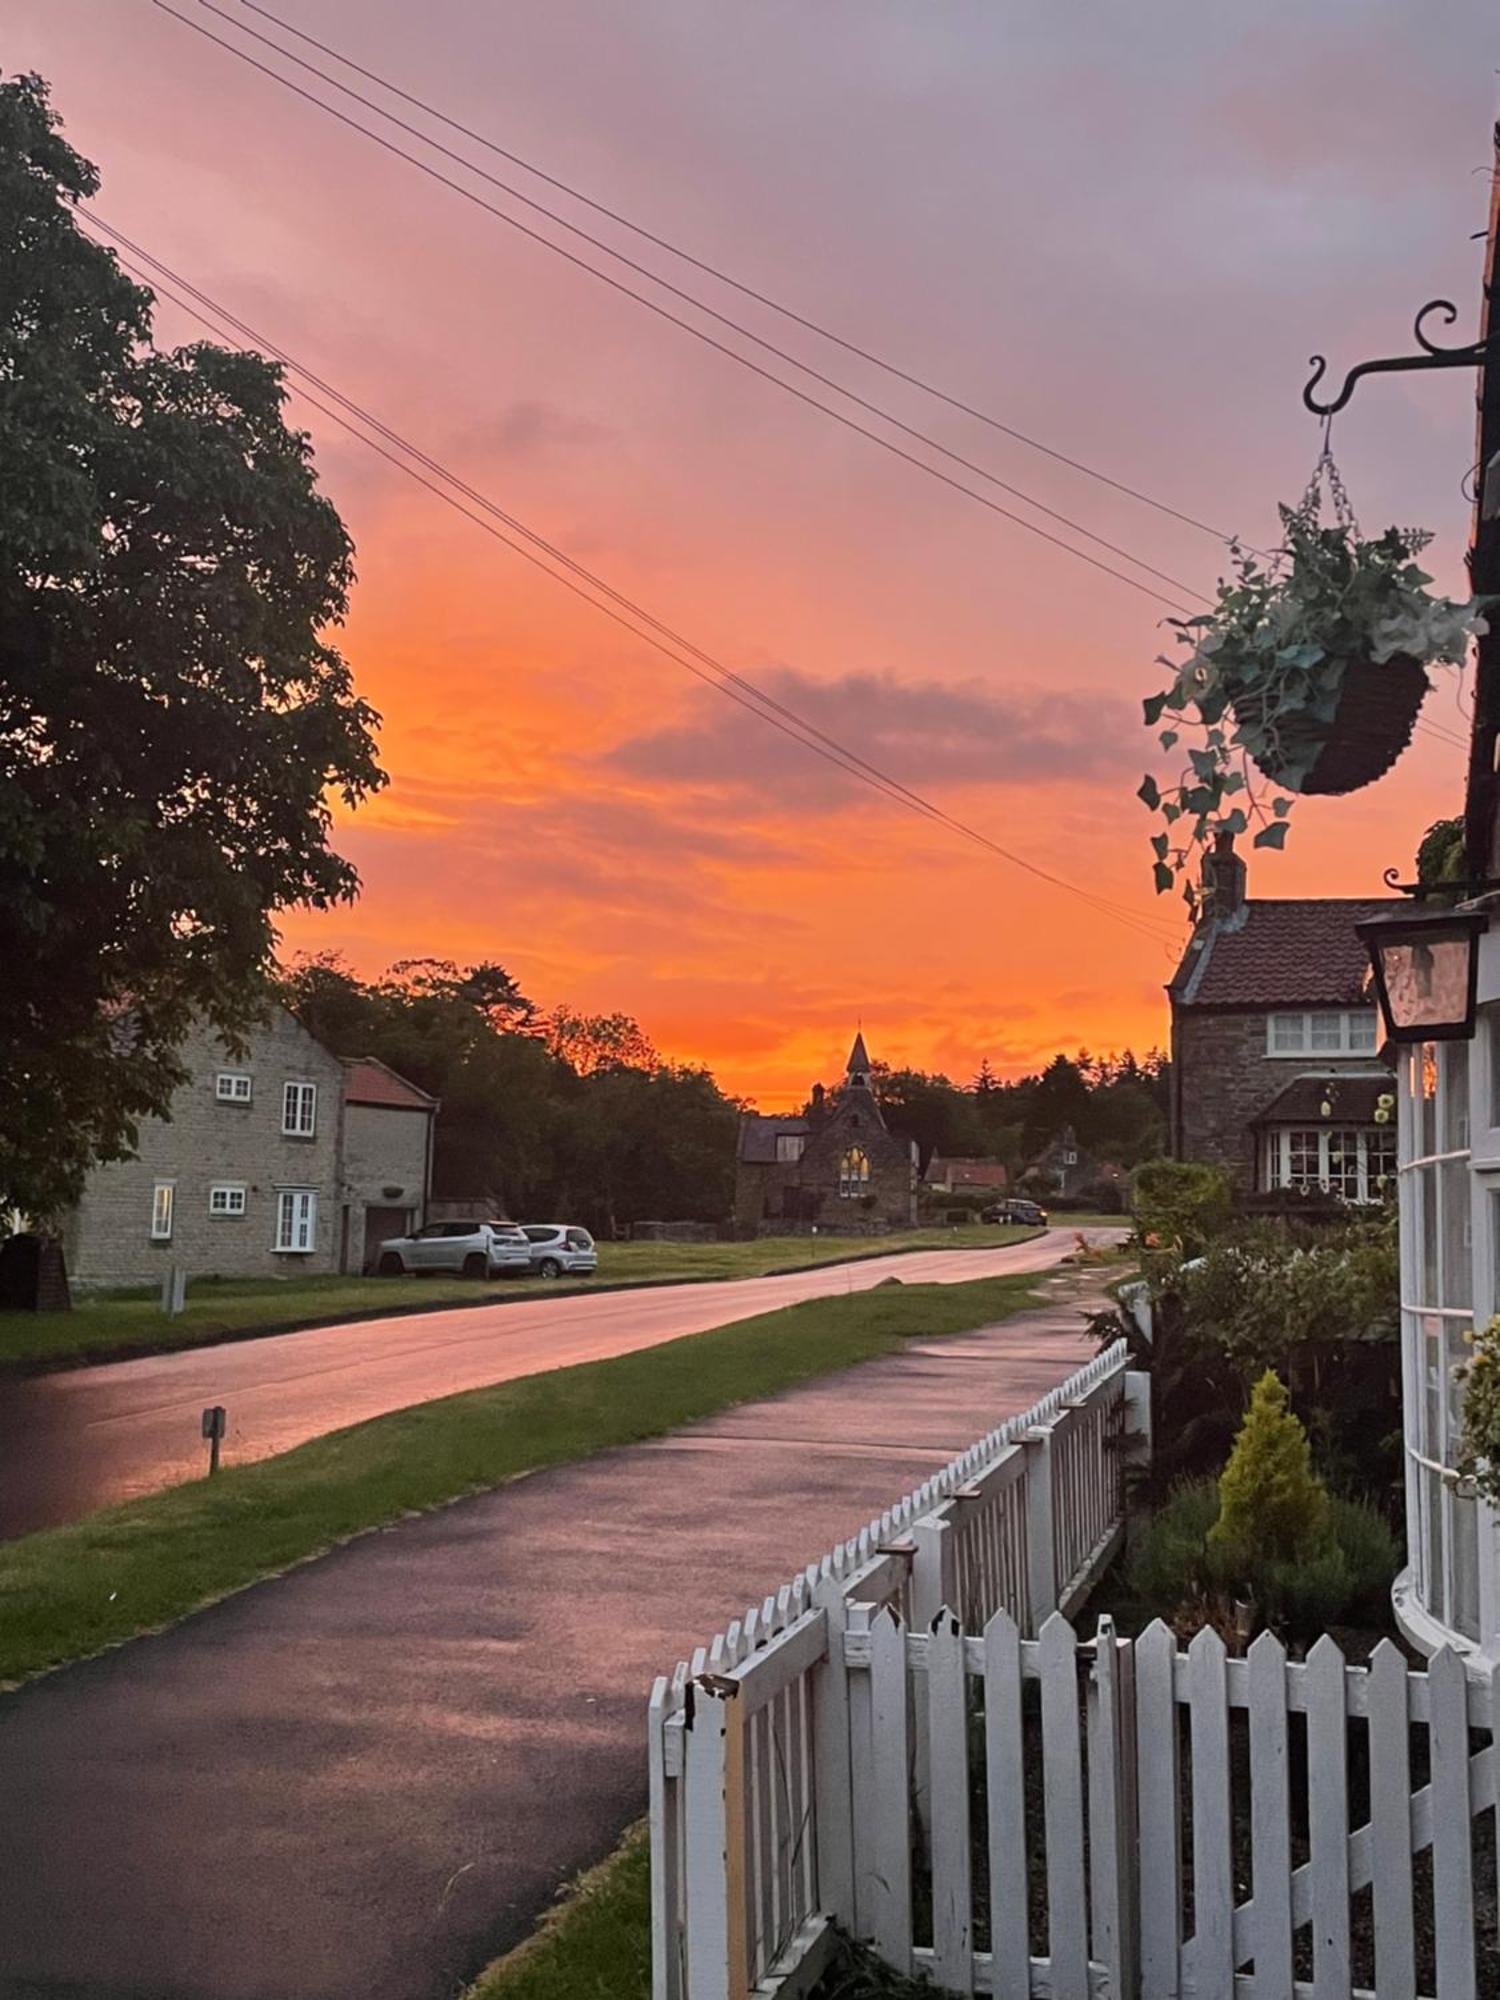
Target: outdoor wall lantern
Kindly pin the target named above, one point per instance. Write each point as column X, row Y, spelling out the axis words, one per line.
column 1426, row 966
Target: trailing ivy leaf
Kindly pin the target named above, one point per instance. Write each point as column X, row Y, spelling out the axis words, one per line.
column 1170, row 810
column 1169, row 738
column 1153, row 706
column 1149, row 793
column 1205, row 764
column 1272, row 836
column 1159, row 845
column 1281, row 807
column 1163, row 877
column 1235, row 822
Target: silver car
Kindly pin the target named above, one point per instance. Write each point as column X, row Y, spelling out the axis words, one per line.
column 471, row 1249
column 560, row 1249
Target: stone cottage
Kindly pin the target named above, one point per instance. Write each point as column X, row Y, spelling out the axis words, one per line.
column 1276, row 1070
column 838, row 1168
column 278, row 1161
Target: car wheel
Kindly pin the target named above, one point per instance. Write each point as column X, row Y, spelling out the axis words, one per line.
column 476, row 1265
column 391, row 1265
column 549, row 1268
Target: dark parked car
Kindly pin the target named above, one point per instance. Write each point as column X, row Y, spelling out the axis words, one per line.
column 1028, row 1212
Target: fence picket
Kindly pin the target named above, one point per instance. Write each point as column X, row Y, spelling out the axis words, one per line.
column 1270, row 1820
column 1110, row 1885
column 1212, row 1954
column 1005, row 1784
column 1452, row 1849
column 1390, row 1825
column 948, row 1742
column 1328, row 1817
column 886, row 1837
column 1157, row 1811
column 1062, row 1811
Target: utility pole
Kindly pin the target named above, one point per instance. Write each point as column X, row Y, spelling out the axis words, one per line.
column 1482, row 800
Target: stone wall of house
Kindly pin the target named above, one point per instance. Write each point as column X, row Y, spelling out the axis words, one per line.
column 1222, row 1078
column 206, row 1142
column 385, row 1175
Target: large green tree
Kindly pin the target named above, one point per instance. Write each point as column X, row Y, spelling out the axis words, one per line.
column 173, row 720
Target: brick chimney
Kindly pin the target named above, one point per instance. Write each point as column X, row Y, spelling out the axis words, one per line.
column 1223, row 882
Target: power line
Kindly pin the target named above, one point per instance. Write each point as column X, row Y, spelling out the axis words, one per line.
column 698, row 333
column 739, row 688
column 724, row 277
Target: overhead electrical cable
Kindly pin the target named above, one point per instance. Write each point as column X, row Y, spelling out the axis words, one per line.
column 698, row 333
column 399, row 452
column 724, row 277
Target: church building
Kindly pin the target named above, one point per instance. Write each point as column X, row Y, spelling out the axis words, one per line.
column 838, row 1168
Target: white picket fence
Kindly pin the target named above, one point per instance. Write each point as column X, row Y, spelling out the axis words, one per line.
column 757, row 1784
column 1294, row 1780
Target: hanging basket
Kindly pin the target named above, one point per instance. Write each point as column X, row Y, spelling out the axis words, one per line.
column 1372, row 725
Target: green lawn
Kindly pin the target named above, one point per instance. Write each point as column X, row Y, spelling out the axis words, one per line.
column 73, row 1590
column 595, row 1945
column 105, row 1325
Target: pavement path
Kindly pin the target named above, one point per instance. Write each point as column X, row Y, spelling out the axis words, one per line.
column 367, row 1777
column 78, row 1440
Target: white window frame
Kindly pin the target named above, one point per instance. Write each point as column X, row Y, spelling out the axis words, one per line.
column 1449, row 1570
column 1279, row 1148
column 233, row 1086
column 296, row 1222
column 226, row 1198
column 163, row 1202
column 1305, row 1046
column 299, row 1109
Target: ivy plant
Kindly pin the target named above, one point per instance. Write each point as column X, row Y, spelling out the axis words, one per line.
column 1263, row 670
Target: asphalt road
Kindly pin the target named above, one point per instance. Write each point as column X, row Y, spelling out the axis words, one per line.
column 75, row 1441
column 361, row 1780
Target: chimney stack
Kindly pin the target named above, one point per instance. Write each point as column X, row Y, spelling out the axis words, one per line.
column 1223, row 881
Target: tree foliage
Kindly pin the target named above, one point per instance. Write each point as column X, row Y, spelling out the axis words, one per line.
column 1271, row 1502
column 173, row 719
column 557, row 1115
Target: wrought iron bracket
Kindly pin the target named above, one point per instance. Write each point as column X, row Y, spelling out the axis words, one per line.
column 1465, row 890
column 1470, row 355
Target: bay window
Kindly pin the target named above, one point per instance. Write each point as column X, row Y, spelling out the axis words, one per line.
column 1437, row 1313
column 1355, row 1162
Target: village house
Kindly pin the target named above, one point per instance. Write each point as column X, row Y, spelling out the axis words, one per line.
column 279, row 1161
column 1277, row 1074
column 838, row 1167
column 951, row 1176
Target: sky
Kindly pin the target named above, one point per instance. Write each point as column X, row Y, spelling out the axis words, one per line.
column 1120, row 230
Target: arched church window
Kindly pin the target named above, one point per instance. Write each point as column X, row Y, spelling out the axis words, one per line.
column 854, row 1172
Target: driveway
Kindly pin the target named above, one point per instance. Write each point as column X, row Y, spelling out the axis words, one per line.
column 368, row 1776
column 75, row 1441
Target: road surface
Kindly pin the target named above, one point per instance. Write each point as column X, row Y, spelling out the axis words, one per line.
column 75, row 1441
column 362, row 1779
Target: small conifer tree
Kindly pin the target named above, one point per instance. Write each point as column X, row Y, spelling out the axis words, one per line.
column 1272, row 1505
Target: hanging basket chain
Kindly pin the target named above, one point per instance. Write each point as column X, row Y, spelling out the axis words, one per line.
column 1326, row 471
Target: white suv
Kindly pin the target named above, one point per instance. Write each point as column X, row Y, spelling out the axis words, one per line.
column 473, row 1249
column 559, row 1249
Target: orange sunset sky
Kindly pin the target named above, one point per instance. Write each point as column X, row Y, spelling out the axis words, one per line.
column 1121, row 229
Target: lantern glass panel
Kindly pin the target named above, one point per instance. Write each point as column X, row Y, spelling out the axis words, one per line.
column 1426, row 980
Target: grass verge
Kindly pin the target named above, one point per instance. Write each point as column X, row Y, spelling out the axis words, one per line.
column 594, row 1944
column 115, row 1324
column 71, row 1591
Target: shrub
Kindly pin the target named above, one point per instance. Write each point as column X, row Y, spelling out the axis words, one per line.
column 1480, row 1449
column 1178, row 1572
column 1272, row 1506
column 1181, row 1204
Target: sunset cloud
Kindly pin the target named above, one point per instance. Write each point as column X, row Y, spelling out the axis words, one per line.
column 919, row 732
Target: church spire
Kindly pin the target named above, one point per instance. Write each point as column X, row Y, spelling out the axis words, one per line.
column 858, row 1067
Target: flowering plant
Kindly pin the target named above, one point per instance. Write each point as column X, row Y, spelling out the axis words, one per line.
column 1265, row 669
column 1479, row 1443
